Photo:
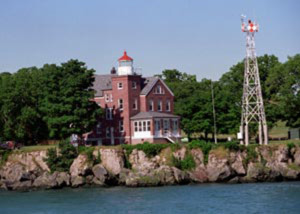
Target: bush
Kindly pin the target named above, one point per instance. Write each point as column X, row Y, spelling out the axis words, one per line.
column 290, row 146
column 204, row 146
column 149, row 149
column 251, row 154
column 4, row 155
column 63, row 161
column 88, row 151
column 186, row 164
column 232, row 146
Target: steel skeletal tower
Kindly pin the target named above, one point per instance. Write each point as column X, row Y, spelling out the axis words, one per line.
column 252, row 103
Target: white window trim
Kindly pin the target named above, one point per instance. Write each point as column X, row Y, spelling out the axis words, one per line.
column 160, row 103
column 134, row 85
column 106, row 98
column 168, row 105
column 109, row 114
column 119, row 104
column 151, row 103
column 121, row 125
column 120, row 84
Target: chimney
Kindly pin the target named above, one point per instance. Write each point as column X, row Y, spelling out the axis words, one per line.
column 113, row 71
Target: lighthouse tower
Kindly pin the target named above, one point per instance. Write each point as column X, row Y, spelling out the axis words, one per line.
column 125, row 65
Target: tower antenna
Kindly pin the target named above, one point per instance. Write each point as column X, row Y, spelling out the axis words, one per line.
column 252, row 102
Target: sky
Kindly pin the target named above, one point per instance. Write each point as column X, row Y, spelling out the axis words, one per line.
column 194, row 36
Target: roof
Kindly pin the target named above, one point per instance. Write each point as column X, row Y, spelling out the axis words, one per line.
column 125, row 57
column 101, row 83
column 152, row 114
column 149, row 83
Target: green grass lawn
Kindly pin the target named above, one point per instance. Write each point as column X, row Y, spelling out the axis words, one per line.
column 35, row 148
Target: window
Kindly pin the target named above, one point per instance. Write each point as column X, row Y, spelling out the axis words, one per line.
column 175, row 125
column 120, row 104
column 109, row 113
column 107, row 98
column 120, row 85
column 157, row 125
column 142, row 126
column 159, row 105
column 111, row 98
column 121, row 126
column 133, row 85
column 135, row 104
column 98, row 129
column 159, row 90
column 168, row 105
column 151, row 105
column 136, row 126
column 108, row 132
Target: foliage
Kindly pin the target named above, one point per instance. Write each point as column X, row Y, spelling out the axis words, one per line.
column 89, row 152
column 61, row 162
column 149, row 149
column 206, row 147
column 232, row 146
column 290, row 146
column 48, row 102
column 4, row 154
column 187, row 163
column 252, row 155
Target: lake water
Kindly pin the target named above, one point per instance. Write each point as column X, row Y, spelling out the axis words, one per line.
column 205, row 198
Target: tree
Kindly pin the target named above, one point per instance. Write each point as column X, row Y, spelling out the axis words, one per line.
column 20, row 116
column 67, row 99
column 284, row 87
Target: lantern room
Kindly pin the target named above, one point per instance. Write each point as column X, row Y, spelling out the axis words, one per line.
column 125, row 66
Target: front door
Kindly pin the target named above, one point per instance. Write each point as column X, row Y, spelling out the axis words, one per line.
column 166, row 127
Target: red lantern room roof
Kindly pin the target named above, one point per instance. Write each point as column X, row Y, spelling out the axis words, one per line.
column 125, row 57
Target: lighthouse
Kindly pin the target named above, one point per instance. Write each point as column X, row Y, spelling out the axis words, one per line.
column 125, row 66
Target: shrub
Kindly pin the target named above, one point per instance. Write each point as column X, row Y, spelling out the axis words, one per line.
column 4, row 155
column 290, row 146
column 232, row 146
column 251, row 154
column 63, row 161
column 149, row 149
column 89, row 153
column 186, row 164
column 204, row 146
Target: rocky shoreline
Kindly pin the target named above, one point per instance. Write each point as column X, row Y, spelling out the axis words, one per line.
column 29, row 171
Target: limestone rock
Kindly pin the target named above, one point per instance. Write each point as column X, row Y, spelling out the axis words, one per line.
column 180, row 154
column 100, row 173
column 80, row 166
column 218, row 168
column 63, row 179
column 141, row 162
column 45, row 181
column 297, row 156
column 112, row 160
column 237, row 163
column 77, row 181
column 199, row 175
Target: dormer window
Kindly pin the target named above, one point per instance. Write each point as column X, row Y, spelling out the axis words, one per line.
column 120, row 85
column 133, row 85
column 159, row 90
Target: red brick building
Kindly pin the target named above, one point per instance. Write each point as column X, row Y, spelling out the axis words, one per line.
column 136, row 109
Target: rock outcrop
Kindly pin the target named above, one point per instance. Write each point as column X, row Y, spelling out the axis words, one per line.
column 24, row 171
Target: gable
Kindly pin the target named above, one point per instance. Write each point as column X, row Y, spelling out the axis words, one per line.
column 152, row 85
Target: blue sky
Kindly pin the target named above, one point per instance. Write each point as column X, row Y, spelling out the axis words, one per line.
column 193, row 36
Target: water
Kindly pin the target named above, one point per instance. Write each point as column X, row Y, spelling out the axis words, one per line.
column 205, row 198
